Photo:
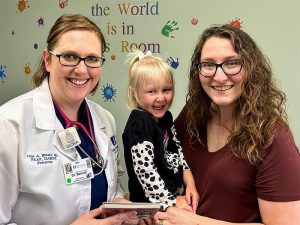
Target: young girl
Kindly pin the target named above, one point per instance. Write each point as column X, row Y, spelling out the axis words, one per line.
column 155, row 164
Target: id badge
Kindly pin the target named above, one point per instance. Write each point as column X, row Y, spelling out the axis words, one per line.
column 78, row 171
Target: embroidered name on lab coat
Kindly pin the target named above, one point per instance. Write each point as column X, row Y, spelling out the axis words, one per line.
column 42, row 158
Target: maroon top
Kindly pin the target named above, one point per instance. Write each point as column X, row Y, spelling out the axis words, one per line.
column 229, row 186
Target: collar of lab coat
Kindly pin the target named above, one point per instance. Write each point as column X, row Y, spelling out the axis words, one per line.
column 43, row 107
column 45, row 118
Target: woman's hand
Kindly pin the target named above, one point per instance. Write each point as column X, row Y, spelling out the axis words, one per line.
column 118, row 219
column 148, row 222
column 191, row 194
column 120, row 200
column 176, row 216
column 192, row 197
column 183, row 204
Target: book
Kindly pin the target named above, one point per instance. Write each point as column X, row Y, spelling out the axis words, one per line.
column 144, row 210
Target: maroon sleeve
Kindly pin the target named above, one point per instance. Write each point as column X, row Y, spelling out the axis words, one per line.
column 278, row 177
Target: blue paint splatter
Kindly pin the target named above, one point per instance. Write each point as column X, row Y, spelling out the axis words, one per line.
column 174, row 64
column 108, row 93
column 2, row 72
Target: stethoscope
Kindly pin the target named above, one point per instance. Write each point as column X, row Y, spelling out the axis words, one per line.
column 98, row 161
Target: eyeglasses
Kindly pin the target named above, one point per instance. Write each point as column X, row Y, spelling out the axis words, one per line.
column 73, row 60
column 230, row 67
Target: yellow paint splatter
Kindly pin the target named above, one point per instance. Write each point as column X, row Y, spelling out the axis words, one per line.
column 22, row 5
column 27, row 69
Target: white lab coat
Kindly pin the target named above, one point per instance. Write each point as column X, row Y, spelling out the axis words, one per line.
column 32, row 193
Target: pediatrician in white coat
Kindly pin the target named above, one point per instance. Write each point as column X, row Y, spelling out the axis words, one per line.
column 58, row 151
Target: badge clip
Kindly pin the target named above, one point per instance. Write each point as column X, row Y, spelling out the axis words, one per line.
column 69, row 138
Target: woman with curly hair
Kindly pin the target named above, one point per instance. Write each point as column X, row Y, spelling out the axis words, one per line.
column 236, row 137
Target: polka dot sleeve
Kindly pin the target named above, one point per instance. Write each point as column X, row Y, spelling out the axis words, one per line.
column 147, row 174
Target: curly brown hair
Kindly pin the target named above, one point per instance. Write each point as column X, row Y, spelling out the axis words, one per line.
column 63, row 24
column 260, row 107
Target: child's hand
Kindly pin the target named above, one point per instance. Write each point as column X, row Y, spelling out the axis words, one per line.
column 182, row 203
column 192, row 197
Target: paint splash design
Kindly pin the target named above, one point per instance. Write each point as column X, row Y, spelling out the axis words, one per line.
column 237, row 23
column 2, row 73
column 108, row 93
column 22, row 5
column 27, row 69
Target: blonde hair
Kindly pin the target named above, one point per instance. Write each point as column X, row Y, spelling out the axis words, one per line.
column 145, row 69
column 65, row 23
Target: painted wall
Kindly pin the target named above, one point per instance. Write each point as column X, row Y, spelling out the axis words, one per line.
column 167, row 27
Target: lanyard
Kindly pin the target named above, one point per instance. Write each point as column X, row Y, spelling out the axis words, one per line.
column 70, row 123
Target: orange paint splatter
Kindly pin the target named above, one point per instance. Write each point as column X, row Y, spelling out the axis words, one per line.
column 27, row 69
column 113, row 57
column 22, row 5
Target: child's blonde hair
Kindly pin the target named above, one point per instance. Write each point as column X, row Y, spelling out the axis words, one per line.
column 145, row 69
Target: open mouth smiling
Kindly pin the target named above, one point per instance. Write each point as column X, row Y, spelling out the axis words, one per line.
column 158, row 107
column 222, row 88
column 78, row 82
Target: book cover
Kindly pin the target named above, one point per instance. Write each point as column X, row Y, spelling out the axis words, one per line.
column 144, row 210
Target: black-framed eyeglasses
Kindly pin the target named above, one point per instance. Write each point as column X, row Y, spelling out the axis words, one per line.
column 70, row 59
column 229, row 67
